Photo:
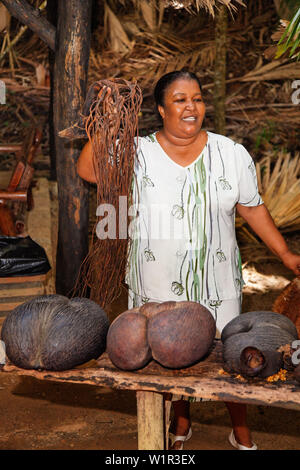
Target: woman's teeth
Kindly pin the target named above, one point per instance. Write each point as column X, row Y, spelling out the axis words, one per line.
column 189, row 119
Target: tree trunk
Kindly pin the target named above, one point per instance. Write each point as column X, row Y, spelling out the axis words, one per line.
column 220, row 70
column 52, row 18
column 70, row 77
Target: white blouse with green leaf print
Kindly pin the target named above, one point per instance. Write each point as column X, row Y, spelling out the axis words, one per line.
column 183, row 221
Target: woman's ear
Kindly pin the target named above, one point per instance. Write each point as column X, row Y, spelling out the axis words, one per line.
column 161, row 111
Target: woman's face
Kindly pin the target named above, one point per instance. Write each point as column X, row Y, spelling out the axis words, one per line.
column 183, row 110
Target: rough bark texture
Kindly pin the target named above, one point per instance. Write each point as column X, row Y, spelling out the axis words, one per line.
column 70, row 76
column 30, row 16
column 52, row 17
column 220, row 70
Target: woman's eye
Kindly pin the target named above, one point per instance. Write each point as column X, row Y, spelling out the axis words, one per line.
column 180, row 100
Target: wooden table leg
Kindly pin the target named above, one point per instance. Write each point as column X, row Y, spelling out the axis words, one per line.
column 150, row 417
column 167, row 421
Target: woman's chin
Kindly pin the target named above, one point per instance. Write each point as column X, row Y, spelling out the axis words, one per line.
column 190, row 131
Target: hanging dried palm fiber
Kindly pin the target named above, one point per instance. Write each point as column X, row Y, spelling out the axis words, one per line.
column 110, row 118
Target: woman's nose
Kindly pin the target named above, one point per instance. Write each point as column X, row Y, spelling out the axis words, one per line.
column 190, row 104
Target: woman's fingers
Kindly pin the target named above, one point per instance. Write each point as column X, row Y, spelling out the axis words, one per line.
column 109, row 109
column 292, row 261
column 104, row 90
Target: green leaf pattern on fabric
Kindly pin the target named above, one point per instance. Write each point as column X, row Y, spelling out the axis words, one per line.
column 177, row 288
column 149, row 254
column 196, row 218
column 178, row 212
column 224, row 183
column 220, row 255
column 147, row 181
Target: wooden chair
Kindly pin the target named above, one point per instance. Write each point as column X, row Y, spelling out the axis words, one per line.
column 17, row 197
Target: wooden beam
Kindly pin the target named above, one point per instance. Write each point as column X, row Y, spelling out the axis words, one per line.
column 70, row 77
column 31, row 17
column 22, row 279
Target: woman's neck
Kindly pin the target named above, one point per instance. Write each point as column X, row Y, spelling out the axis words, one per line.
column 182, row 150
column 170, row 139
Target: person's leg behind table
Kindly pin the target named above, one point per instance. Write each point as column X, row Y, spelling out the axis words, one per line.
column 181, row 407
column 223, row 312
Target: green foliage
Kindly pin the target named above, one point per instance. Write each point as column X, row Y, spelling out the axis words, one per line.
column 265, row 135
column 290, row 40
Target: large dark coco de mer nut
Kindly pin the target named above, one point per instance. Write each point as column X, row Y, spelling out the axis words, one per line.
column 181, row 335
column 53, row 332
column 251, row 342
column 175, row 334
column 127, row 344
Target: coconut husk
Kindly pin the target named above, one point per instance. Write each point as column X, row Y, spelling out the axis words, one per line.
column 288, row 303
column 111, row 126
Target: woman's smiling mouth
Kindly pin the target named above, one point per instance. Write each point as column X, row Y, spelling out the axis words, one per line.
column 189, row 118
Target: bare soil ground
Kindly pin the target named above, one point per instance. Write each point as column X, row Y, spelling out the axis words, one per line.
column 44, row 415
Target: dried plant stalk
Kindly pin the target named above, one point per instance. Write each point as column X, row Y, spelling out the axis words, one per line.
column 279, row 186
column 111, row 127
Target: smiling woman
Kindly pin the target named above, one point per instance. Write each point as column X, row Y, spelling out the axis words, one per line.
column 200, row 179
column 182, row 111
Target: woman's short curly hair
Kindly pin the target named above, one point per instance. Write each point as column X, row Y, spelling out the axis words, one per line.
column 166, row 80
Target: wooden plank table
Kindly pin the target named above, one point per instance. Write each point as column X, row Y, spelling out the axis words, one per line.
column 204, row 379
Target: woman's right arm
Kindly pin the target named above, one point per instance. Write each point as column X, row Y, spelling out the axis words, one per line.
column 85, row 166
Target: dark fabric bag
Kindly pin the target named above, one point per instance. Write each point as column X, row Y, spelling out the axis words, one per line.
column 21, row 256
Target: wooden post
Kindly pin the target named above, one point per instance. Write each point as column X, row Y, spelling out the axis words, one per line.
column 167, row 417
column 52, row 18
column 150, row 417
column 220, row 70
column 70, row 77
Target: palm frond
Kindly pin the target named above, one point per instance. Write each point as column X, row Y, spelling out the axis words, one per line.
column 290, row 39
column 119, row 41
column 279, row 186
column 193, row 5
column 208, row 5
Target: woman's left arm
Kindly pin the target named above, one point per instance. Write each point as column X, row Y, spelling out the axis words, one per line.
column 260, row 220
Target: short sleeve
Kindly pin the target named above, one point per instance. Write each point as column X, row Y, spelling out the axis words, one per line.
column 248, row 187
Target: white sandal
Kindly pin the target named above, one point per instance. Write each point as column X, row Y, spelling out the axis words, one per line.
column 238, row 446
column 174, row 438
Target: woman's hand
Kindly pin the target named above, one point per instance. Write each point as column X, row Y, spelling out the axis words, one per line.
column 260, row 220
column 109, row 109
